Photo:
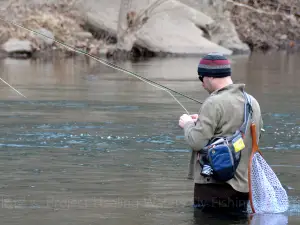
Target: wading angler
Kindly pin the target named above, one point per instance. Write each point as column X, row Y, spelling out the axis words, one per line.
column 220, row 138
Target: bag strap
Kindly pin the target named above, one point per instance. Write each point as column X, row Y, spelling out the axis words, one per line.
column 247, row 113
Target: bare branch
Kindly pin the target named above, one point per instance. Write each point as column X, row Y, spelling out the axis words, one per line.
column 271, row 13
column 254, row 9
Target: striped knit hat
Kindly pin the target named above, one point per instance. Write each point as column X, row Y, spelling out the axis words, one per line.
column 214, row 65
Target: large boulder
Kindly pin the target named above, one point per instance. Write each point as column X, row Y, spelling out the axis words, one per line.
column 173, row 31
column 165, row 33
column 222, row 31
column 180, row 9
column 101, row 23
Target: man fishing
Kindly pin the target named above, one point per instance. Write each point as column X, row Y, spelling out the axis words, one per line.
column 221, row 183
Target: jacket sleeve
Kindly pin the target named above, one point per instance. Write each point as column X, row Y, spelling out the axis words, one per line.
column 197, row 135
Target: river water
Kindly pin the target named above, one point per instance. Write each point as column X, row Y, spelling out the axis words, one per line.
column 91, row 145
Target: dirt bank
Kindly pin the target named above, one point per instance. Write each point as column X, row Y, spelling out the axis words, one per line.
column 268, row 24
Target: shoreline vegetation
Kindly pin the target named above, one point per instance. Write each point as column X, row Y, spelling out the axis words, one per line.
column 261, row 25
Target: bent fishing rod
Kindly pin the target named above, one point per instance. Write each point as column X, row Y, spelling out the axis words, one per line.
column 155, row 84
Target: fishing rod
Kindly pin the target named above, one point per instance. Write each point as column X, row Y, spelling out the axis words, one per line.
column 155, row 84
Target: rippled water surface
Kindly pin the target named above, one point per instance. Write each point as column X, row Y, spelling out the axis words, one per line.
column 91, row 145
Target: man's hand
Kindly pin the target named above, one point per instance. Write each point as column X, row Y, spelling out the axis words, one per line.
column 195, row 117
column 184, row 119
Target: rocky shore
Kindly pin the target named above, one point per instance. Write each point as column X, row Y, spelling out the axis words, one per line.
column 240, row 27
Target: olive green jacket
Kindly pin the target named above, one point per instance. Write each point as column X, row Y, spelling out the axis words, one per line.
column 222, row 114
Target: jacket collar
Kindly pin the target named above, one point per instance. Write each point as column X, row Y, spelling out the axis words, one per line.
column 231, row 87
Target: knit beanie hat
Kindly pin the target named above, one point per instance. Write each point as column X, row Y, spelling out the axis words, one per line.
column 214, row 65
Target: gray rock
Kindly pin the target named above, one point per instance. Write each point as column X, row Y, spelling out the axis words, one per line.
column 83, row 35
column 283, row 37
column 225, row 34
column 48, row 40
column 101, row 23
column 222, row 31
column 15, row 45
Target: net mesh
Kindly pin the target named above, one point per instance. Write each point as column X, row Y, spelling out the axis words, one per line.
column 266, row 192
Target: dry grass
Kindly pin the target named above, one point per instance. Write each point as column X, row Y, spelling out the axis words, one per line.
column 62, row 19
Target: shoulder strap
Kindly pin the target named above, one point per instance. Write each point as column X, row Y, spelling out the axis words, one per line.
column 247, row 113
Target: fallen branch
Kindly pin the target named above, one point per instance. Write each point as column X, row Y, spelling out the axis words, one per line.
column 259, row 10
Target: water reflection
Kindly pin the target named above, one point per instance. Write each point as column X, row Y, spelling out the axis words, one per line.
column 265, row 219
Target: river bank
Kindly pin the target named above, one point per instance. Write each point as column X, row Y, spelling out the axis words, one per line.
column 248, row 29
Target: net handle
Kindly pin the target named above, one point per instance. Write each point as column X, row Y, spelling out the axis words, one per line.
column 254, row 139
column 255, row 150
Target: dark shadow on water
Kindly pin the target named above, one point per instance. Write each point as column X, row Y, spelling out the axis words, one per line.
column 219, row 218
column 222, row 218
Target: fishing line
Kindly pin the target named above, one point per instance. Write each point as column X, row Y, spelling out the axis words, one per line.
column 12, row 88
column 154, row 84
